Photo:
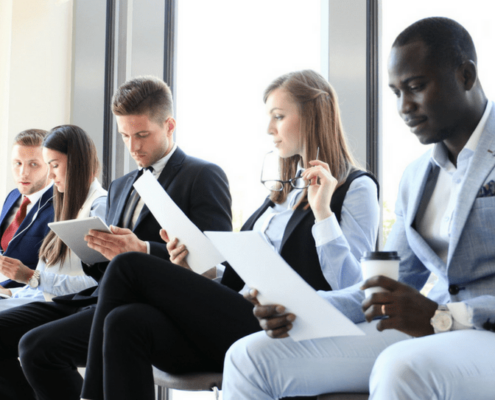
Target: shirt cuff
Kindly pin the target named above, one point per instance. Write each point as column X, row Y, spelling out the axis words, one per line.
column 326, row 230
column 46, row 281
column 461, row 316
column 147, row 247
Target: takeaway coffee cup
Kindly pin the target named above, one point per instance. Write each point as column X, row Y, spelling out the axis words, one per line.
column 384, row 263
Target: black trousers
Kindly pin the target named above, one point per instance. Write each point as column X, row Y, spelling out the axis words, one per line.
column 51, row 341
column 152, row 312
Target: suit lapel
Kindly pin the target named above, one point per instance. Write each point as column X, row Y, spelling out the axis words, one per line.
column 8, row 207
column 482, row 163
column 297, row 217
column 417, row 191
column 249, row 224
column 44, row 201
column 165, row 179
column 117, row 216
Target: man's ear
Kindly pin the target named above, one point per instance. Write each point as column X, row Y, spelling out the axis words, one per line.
column 170, row 125
column 468, row 73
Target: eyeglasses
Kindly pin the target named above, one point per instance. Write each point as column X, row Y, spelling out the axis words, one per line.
column 277, row 185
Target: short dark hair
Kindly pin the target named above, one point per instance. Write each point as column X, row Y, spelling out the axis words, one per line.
column 147, row 95
column 449, row 43
column 30, row 137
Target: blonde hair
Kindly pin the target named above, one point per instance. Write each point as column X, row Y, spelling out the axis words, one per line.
column 30, row 137
column 320, row 127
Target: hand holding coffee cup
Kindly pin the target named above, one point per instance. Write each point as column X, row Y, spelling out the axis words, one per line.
column 375, row 263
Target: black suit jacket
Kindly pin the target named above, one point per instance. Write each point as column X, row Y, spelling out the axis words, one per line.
column 199, row 188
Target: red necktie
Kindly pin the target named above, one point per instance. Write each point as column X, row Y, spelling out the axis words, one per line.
column 12, row 228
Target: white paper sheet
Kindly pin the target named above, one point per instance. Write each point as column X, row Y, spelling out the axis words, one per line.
column 202, row 254
column 277, row 283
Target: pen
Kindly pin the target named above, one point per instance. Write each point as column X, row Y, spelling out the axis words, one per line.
column 317, row 154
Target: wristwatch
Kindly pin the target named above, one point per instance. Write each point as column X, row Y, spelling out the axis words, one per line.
column 34, row 282
column 442, row 320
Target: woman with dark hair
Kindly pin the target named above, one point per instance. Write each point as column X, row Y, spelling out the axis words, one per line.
column 321, row 216
column 73, row 166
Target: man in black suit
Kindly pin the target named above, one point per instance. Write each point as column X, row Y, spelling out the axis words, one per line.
column 59, row 332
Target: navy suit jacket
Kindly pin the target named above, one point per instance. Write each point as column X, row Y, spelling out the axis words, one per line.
column 26, row 243
column 199, row 188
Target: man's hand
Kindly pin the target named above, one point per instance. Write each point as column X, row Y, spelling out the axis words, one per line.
column 178, row 253
column 14, row 269
column 110, row 246
column 407, row 310
column 272, row 319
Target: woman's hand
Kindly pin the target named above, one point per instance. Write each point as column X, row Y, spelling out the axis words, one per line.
column 320, row 191
column 6, row 292
column 273, row 319
column 15, row 270
column 177, row 253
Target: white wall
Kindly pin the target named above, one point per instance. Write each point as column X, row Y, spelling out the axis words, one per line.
column 35, row 71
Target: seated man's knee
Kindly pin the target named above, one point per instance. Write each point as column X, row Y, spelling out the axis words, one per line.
column 123, row 263
column 34, row 346
column 251, row 349
column 123, row 324
column 403, row 367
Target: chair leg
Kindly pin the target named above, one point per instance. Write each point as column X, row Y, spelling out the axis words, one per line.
column 163, row 393
column 216, row 392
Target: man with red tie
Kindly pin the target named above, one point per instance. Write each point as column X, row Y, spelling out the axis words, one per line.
column 28, row 209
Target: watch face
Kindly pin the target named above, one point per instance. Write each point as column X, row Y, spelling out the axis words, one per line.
column 442, row 321
column 33, row 282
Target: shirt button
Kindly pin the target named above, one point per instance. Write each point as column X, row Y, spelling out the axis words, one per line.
column 453, row 289
column 457, row 181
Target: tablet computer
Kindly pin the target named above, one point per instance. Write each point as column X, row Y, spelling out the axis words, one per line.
column 72, row 234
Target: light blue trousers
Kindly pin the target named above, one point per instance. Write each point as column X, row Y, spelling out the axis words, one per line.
column 393, row 366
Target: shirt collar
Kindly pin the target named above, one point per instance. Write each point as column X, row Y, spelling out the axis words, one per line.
column 439, row 154
column 159, row 165
column 33, row 198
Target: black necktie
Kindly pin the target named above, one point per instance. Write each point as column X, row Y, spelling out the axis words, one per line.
column 132, row 202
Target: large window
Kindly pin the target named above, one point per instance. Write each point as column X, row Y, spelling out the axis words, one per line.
column 228, row 53
column 400, row 146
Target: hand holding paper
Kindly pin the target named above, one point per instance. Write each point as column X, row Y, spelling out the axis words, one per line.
column 178, row 253
column 202, row 254
column 277, row 283
column 273, row 319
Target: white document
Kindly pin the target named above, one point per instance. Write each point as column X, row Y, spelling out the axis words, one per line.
column 263, row 269
column 72, row 233
column 202, row 254
column 3, row 277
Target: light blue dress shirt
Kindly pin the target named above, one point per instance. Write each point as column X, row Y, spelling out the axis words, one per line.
column 339, row 246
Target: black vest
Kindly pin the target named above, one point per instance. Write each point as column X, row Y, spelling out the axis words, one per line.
column 298, row 247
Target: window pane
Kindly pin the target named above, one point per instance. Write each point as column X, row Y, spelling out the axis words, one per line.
column 400, row 146
column 225, row 62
